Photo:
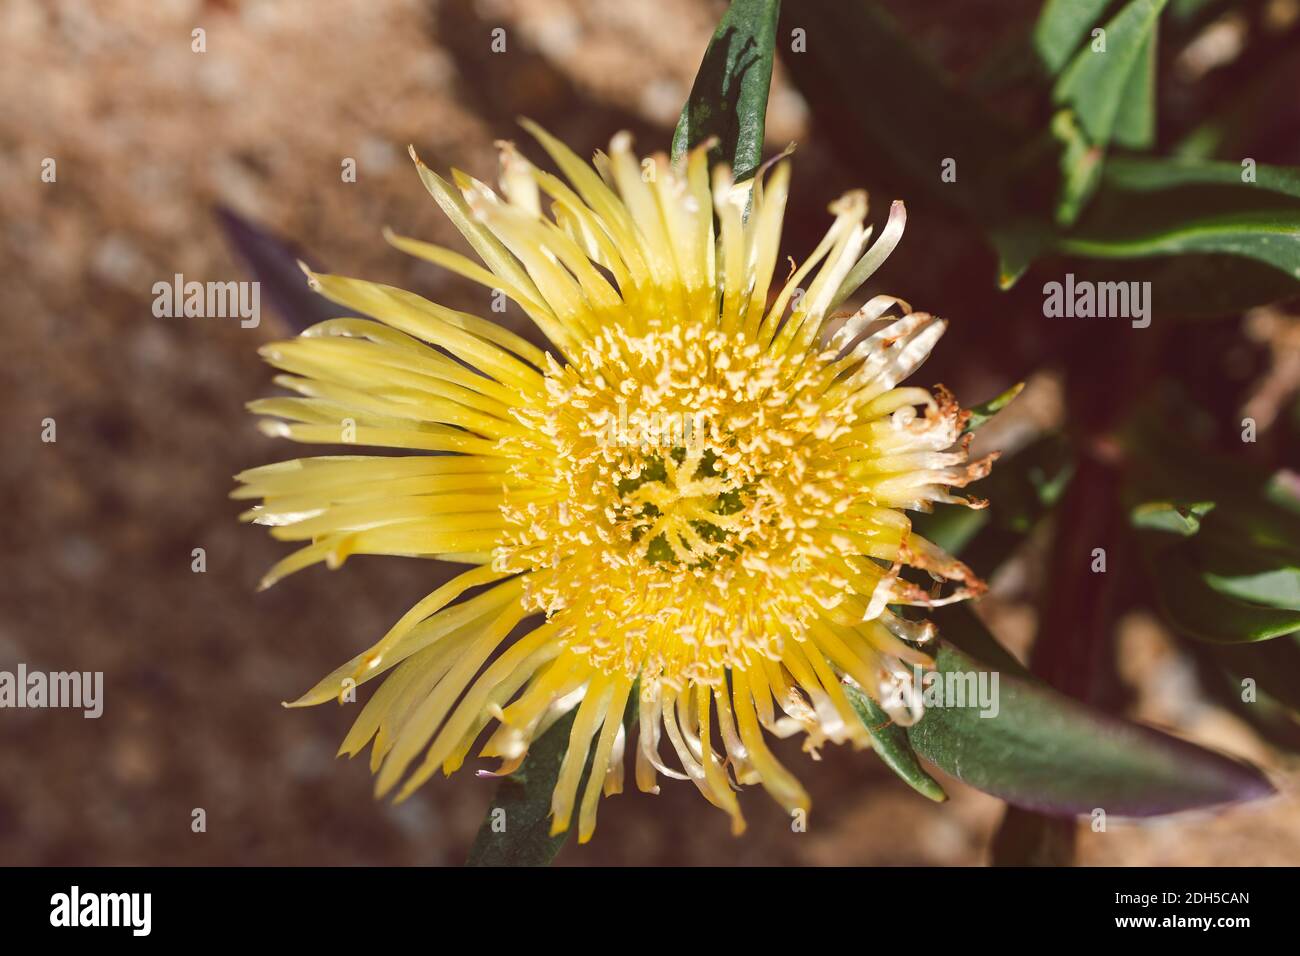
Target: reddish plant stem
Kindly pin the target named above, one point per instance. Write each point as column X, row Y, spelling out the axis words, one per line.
column 1077, row 609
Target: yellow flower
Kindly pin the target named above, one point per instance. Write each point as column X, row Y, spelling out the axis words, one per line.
column 692, row 496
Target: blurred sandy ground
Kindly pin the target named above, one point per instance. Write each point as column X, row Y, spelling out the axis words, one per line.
column 148, row 136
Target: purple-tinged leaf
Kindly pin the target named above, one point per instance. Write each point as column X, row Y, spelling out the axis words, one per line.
column 1044, row 751
column 273, row 262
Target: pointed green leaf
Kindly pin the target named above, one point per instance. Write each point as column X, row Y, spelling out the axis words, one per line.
column 1017, row 246
column 1046, row 752
column 1250, row 572
column 729, row 98
column 1229, row 244
column 1095, row 83
column 1274, row 587
column 1195, row 608
column 1271, row 236
column 1109, row 94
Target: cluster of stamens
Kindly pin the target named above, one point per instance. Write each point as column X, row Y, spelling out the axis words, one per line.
column 691, row 481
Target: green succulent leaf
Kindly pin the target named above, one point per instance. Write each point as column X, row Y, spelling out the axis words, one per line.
column 1226, row 572
column 1209, row 242
column 1108, row 95
column 1271, row 236
column 890, row 742
column 1095, row 83
column 1196, row 608
column 1046, row 752
column 1272, row 586
column 1017, row 245
column 729, row 98
column 1255, row 573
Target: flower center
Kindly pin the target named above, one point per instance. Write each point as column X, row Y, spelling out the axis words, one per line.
column 691, row 483
column 682, row 509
